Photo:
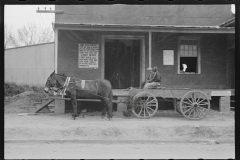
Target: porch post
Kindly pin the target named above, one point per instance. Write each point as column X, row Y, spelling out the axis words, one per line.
column 150, row 50
column 55, row 49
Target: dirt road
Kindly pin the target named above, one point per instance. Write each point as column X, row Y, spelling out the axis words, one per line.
column 166, row 135
column 116, row 150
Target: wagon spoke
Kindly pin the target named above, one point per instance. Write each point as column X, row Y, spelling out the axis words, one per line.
column 143, row 112
column 193, row 97
column 199, row 98
column 137, row 107
column 147, row 111
column 193, row 109
column 203, row 104
column 196, row 113
column 188, row 100
column 137, row 104
column 202, row 100
column 196, row 96
column 186, row 103
column 151, row 101
column 186, row 106
column 187, row 110
column 190, row 112
column 200, row 111
column 151, row 109
column 148, row 98
column 140, row 111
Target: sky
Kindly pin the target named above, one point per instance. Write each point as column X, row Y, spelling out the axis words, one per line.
column 16, row 16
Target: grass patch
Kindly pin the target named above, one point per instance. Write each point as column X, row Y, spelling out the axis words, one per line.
column 11, row 89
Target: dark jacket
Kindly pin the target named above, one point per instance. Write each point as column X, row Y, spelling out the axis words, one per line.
column 154, row 77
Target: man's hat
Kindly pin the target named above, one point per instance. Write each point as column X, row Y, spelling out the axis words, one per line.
column 154, row 69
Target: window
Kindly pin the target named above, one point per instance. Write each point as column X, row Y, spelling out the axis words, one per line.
column 188, row 55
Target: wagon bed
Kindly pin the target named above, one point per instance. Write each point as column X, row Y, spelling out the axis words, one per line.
column 191, row 103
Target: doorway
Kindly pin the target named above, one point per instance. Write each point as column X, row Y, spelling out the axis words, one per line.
column 122, row 62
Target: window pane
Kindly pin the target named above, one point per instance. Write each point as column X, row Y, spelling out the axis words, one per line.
column 190, row 53
column 181, row 53
column 194, row 53
column 194, row 47
column 190, row 47
column 181, row 47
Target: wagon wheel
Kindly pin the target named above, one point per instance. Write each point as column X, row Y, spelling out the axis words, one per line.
column 145, row 105
column 194, row 105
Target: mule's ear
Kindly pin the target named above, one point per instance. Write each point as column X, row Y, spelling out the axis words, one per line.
column 53, row 73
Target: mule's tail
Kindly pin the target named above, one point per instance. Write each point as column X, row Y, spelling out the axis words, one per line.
column 110, row 96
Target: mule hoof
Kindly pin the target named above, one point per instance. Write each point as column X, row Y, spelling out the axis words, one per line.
column 73, row 117
column 109, row 118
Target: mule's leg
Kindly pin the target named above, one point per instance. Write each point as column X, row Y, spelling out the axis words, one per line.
column 108, row 104
column 74, row 105
column 104, row 109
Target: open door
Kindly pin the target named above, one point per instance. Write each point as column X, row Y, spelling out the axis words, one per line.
column 122, row 62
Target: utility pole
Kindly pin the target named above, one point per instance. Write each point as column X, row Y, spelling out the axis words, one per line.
column 49, row 11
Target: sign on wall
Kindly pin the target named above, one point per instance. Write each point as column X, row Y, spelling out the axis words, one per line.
column 88, row 55
column 168, row 57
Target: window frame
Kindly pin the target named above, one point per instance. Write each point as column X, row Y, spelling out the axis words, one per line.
column 198, row 53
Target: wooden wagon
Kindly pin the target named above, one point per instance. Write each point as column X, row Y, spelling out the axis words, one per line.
column 143, row 103
column 192, row 104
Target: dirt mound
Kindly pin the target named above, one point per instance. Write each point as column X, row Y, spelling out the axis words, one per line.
column 21, row 102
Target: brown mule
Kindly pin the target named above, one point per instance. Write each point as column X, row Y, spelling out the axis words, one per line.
column 94, row 89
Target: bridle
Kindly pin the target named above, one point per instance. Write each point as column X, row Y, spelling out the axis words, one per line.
column 61, row 90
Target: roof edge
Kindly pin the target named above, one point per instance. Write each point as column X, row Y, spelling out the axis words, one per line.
column 228, row 22
column 135, row 25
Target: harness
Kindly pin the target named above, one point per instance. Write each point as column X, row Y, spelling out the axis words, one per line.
column 61, row 90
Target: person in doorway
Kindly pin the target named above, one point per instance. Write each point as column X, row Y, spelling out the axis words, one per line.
column 184, row 67
column 154, row 79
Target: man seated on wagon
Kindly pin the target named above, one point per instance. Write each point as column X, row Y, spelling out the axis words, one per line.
column 154, row 79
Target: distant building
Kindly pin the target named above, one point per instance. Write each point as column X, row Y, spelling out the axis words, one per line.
column 29, row 64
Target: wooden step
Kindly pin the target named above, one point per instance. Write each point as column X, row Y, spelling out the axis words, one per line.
column 44, row 104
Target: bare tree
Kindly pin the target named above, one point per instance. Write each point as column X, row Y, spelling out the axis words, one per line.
column 29, row 34
column 9, row 38
column 32, row 34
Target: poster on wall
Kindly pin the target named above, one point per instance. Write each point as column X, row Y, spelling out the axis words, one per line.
column 168, row 57
column 88, row 55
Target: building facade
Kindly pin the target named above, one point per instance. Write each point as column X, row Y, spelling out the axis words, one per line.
column 120, row 42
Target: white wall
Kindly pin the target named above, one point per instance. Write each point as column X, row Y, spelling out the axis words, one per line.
column 29, row 65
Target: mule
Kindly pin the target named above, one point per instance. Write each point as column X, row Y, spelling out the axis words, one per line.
column 77, row 89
